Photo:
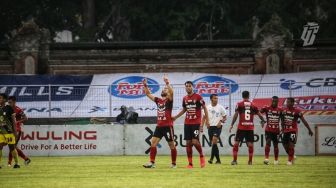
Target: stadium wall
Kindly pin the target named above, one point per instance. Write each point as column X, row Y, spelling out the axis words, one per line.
column 116, row 139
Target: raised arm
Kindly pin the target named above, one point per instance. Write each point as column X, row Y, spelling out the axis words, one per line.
column 148, row 93
column 169, row 87
column 307, row 125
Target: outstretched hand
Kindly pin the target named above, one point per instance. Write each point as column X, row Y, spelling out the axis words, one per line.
column 230, row 129
column 311, row 133
column 165, row 79
column 144, row 82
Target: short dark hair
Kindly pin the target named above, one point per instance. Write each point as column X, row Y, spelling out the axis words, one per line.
column 188, row 82
column 13, row 98
column 275, row 97
column 213, row 95
column 245, row 94
column 291, row 99
column 4, row 95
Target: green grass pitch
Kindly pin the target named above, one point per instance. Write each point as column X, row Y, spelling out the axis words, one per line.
column 127, row 171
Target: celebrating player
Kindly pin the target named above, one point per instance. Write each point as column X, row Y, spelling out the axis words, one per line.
column 289, row 123
column 164, row 126
column 246, row 111
column 7, row 128
column 217, row 117
column 20, row 117
column 193, row 104
column 272, row 130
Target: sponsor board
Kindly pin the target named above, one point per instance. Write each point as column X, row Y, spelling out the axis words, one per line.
column 310, row 105
column 39, row 88
column 65, row 140
column 68, row 140
column 325, row 139
column 314, row 92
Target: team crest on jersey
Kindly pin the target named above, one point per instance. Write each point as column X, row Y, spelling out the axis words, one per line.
column 131, row 87
column 208, row 85
column 161, row 107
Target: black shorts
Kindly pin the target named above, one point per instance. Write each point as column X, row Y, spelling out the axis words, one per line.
column 167, row 132
column 272, row 136
column 289, row 137
column 248, row 135
column 214, row 131
column 191, row 132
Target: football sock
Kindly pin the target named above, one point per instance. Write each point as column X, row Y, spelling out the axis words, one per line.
column 217, row 152
column 276, row 152
column 173, row 153
column 267, row 151
column 15, row 156
column 152, row 154
column 189, row 153
column 10, row 158
column 212, row 152
column 250, row 150
column 290, row 153
column 199, row 149
column 235, row 152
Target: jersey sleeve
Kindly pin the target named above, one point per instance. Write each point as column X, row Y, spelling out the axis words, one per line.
column 20, row 112
column 156, row 100
column 299, row 113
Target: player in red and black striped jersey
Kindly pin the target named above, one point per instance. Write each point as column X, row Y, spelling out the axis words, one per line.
column 272, row 130
column 164, row 126
column 246, row 111
column 20, row 117
column 290, row 117
column 192, row 105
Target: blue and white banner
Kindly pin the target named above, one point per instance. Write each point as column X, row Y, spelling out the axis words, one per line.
column 102, row 95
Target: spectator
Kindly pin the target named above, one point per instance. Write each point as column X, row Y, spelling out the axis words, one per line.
column 127, row 116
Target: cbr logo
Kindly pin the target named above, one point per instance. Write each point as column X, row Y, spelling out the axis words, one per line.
column 208, row 85
column 313, row 83
column 131, row 87
column 66, row 135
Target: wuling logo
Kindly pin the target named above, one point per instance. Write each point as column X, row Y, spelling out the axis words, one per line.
column 309, row 33
column 66, row 135
column 208, row 85
column 131, row 87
